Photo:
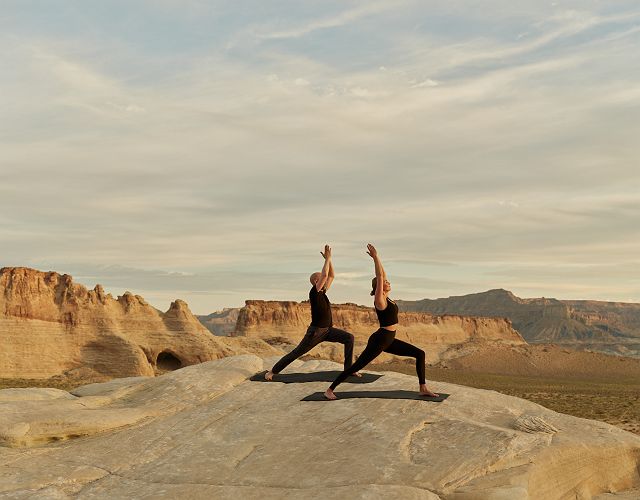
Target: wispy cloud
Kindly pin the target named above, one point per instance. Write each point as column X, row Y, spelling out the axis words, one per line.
column 340, row 19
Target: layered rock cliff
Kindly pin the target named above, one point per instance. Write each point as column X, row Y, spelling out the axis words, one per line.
column 544, row 319
column 50, row 325
column 289, row 321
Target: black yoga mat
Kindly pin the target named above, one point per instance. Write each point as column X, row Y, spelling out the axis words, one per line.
column 319, row 396
column 326, row 376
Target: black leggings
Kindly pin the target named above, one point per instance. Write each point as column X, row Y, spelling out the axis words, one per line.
column 384, row 340
column 312, row 338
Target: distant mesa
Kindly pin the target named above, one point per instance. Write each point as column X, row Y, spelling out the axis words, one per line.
column 221, row 322
column 479, row 344
column 435, row 333
column 263, row 317
column 611, row 327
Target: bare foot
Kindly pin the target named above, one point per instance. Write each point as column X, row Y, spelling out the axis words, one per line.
column 426, row 392
column 268, row 376
column 357, row 374
column 330, row 395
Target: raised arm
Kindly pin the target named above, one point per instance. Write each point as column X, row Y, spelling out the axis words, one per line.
column 324, row 275
column 381, row 277
column 330, row 276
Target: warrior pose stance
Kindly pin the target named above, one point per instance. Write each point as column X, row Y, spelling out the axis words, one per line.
column 321, row 328
column 384, row 338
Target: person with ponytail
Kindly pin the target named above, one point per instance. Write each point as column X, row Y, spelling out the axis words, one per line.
column 384, row 339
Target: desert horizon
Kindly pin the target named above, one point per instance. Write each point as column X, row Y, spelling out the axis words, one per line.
column 479, row 350
column 118, row 291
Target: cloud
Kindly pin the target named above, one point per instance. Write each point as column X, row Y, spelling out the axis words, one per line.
column 472, row 151
column 127, row 108
column 508, row 203
column 338, row 20
column 444, row 57
column 424, row 83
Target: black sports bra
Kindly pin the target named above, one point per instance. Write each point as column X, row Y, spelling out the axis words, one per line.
column 389, row 315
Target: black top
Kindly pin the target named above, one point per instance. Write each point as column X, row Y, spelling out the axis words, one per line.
column 320, row 308
column 389, row 315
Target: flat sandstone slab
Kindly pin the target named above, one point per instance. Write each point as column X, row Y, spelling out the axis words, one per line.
column 207, row 431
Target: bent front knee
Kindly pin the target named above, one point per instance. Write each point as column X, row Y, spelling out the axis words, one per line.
column 421, row 356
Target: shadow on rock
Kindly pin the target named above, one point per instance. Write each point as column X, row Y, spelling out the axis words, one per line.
column 319, row 396
column 324, row 376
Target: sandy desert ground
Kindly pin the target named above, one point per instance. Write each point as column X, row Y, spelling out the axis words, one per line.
column 616, row 402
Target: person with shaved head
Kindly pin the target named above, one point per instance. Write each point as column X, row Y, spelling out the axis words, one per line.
column 321, row 328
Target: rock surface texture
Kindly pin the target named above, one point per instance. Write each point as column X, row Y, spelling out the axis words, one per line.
column 51, row 326
column 206, row 431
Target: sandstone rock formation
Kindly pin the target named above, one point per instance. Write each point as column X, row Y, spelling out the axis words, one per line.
column 205, row 431
column 50, row 325
column 288, row 321
column 221, row 322
column 606, row 326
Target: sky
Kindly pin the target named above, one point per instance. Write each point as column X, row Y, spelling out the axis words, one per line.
column 207, row 150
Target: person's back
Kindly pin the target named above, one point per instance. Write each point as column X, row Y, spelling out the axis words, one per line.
column 320, row 308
